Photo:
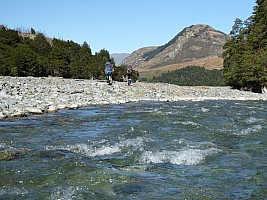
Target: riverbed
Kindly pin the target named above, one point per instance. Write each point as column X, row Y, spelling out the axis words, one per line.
column 24, row 96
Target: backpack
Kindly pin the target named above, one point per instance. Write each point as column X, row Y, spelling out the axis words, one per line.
column 129, row 70
column 108, row 67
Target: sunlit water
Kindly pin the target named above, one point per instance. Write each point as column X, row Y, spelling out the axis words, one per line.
column 182, row 150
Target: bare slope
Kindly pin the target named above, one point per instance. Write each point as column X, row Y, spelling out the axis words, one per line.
column 199, row 45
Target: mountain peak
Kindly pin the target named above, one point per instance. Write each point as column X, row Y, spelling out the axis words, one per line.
column 194, row 42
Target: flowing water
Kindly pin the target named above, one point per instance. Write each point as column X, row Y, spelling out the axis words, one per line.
column 181, row 150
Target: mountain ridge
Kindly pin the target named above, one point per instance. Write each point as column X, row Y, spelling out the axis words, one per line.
column 199, row 44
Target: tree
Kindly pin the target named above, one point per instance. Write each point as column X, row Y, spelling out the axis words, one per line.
column 259, row 26
column 85, row 62
column 9, row 37
column 234, row 50
column 33, row 31
column 5, row 60
column 42, row 49
column 244, row 54
column 59, row 61
column 25, row 63
column 41, row 45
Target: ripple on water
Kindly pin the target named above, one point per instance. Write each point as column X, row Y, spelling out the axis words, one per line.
column 253, row 120
column 100, row 149
column 183, row 157
column 249, row 130
column 12, row 192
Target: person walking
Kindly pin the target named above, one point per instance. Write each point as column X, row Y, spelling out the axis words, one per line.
column 129, row 74
column 108, row 72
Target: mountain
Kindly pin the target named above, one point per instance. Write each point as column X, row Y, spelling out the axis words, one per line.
column 119, row 57
column 199, row 45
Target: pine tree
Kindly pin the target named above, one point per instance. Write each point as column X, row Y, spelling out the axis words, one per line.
column 33, row 31
column 25, row 63
column 259, row 26
column 245, row 53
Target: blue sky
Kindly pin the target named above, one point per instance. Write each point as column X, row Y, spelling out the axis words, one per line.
column 121, row 26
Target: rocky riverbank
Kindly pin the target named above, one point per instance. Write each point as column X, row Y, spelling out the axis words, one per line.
column 21, row 96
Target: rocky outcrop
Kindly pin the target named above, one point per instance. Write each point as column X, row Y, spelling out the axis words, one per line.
column 194, row 43
column 33, row 36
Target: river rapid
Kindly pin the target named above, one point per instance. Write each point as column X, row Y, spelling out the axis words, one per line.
column 147, row 150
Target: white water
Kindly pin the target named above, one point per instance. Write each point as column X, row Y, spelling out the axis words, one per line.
column 182, row 157
column 182, row 150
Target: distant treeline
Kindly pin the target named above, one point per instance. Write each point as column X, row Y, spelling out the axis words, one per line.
column 37, row 56
column 245, row 54
column 192, row 76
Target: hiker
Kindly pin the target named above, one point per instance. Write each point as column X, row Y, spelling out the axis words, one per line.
column 129, row 74
column 108, row 72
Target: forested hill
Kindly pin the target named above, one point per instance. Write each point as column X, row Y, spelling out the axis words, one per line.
column 192, row 76
column 245, row 54
column 33, row 54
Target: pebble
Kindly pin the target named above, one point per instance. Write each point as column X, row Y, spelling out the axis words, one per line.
column 20, row 96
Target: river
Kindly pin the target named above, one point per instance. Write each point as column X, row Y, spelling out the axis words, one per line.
column 147, row 150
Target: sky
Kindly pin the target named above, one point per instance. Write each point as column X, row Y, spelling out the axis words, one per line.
column 121, row 26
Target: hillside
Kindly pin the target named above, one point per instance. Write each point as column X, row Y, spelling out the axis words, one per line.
column 31, row 54
column 199, row 45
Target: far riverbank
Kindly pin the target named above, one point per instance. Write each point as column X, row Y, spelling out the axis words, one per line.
column 21, row 96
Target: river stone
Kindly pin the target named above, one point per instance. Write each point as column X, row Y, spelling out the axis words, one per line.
column 2, row 116
column 73, row 106
column 19, row 113
column 8, row 155
column 61, row 106
column 33, row 110
column 52, row 109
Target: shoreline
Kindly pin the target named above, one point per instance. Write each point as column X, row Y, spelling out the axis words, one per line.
column 23, row 96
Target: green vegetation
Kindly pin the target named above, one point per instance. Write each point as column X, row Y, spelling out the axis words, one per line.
column 22, row 56
column 245, row 54
column 192, row 76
